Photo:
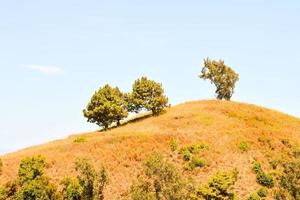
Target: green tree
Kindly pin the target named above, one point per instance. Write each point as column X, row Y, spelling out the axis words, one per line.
column 106, row 106
column 222, row 76
column 86, row 176
column 147, row 94
column 71, row 190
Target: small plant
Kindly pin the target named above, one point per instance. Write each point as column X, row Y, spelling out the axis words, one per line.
column 173, row 145
column 261, row 177
column 1, row 166
column 244, row 146
column 262, row 192
column 80, row 139
column 254, row 196
column 194, row 163
column 186, row 155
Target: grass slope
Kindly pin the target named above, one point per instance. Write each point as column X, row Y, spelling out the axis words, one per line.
column 222, row 125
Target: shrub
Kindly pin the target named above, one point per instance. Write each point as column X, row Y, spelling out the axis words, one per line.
column 86, row 176
column 39, row 188
column 147, row 94
column 262, row 192
column 160, row 180
column 33, row 183
column 220, row 186
column 31, row 168
column 261, row 177
column 71, row 189
column 254, row 196
column 222, row 76
column 106, row 106
column 186, row 154
column 173, row 145
column 8, row 190
column 80, row 139
column 289, row 180
column 100, row 184
column 188, row 151
column 195, row 162
column 244, row 146
column 1, row 166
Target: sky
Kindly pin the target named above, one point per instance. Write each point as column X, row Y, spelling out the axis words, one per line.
column 55, row 54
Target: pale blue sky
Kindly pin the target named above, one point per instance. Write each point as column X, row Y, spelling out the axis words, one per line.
column 55, row 54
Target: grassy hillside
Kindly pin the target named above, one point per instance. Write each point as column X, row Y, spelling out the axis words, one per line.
column 219, row 124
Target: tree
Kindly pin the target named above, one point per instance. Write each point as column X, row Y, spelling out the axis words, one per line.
column 147, row 94
column 106, row 106
column 222, row 76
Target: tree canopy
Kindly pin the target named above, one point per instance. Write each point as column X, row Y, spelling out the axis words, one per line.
column 222, row 76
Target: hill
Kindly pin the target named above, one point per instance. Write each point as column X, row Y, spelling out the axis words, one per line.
column 221, row 125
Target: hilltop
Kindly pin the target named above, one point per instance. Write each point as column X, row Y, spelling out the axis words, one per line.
column 222, row 125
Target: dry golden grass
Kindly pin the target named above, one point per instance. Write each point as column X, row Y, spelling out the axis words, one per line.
column 222, row 125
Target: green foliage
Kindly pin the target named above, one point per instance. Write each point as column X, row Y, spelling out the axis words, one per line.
column 262, row 177
column 1, row 166
column 37, row 189
column 33, row 183
column 254, row 196
column 106, row 106
column 80, row 139
column 147, row 94
column 86, row 176
column 262, row 192
column 290, row 179
column 195, row 162
column 100, row 184
column 222, row 76
column 71, row 189
column 8, row 190
column 173, row 145
column 220, row 186
column 31, row 168
column 186, row 154
column 244, row 146
column 160, row 180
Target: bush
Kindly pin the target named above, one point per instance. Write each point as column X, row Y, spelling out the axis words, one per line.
column 188, row 151
column 220, row 186
column 8, row 190
column 80, row 139
column 244, row 146
column 147, row 94
column 173, row 145
column 195, row 162
column 100, row 184
column 31, row 168
column 254, row 196
column 71, row 189
column 222, row 76
column 1, row 166
column 262, row 192
column 86, row 176
column 33, row 183
column 106, row 106
column 261, row 177
column 289, row 180
column 160, row 180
